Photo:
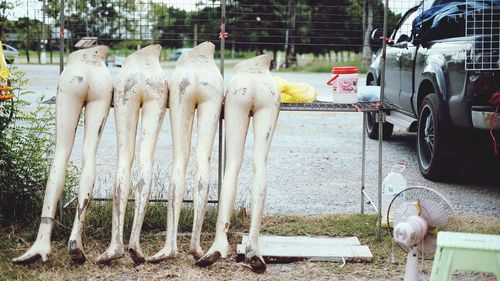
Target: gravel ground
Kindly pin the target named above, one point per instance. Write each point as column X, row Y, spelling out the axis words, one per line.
column 314, row 165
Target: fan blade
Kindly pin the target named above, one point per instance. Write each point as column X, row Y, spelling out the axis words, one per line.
column 429, row 243
column 434, row 213
column 405, row 210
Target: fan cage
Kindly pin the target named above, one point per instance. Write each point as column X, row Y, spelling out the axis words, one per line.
column 411, row 194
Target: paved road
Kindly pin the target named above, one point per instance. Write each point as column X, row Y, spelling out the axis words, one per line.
column 315, row 161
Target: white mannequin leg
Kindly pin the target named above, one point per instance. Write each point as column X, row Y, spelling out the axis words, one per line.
column 96, row 112
column 127, row 105
column 264, row 124
column 153, row 112
column 208, row 120
column 85, row 80
column 68, row 108
column 251, row 89
column 236, row 120
column 181, row 111
column 196, row 82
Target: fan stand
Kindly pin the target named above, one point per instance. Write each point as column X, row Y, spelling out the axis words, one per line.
column 412, row 260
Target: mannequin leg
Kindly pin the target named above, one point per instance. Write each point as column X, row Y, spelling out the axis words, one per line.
column 236, row 120
column 208, row 120
column 181, row 121
column 96, row 113
column 264, row 123
column 68, row 107
column 153, row 113
column 126, row 117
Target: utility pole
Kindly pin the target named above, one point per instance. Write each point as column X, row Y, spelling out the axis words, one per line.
column 195, row 43
column 290, row 56
column 367, row 29
column 61, row 36
column 43, row 41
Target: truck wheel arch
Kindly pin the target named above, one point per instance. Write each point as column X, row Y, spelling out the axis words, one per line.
column 431, row 82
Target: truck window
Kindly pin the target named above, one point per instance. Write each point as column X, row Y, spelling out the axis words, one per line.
column 403, row 33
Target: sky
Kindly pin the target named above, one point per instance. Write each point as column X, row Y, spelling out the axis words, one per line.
column 32, row 8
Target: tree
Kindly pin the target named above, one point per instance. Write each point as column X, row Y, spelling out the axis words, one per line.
column 367, row 29
column 169, row 26
column 4, row 8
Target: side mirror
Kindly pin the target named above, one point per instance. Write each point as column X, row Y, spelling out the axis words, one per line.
column 377, row 34
column 376, row 42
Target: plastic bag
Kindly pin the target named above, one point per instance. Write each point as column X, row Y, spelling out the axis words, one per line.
column 368, row 93
column 5, row 89
column 296, row 92
column 4, row 70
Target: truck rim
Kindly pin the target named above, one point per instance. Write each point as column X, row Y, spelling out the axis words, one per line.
column 426, row 136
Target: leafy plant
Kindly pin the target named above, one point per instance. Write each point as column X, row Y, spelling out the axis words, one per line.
column 26, row 145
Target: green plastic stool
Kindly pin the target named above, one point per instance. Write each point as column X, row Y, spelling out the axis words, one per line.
column 467, row 252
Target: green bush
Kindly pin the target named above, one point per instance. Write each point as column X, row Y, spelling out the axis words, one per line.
column 26, row 145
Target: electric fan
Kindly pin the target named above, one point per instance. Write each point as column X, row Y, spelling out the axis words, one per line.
column 415, row 215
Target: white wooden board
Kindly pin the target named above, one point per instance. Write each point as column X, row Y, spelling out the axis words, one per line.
column 304, row 240
column 276, row 248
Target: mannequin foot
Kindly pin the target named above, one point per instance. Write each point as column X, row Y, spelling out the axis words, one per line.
column 163, row 254
column 257, row 263
column 217, row 251
column 208, row 259
column 255, row 260
column 37, row 251
column 75, row 251
column 112, row 253
column 196, row 252
column 136, row 253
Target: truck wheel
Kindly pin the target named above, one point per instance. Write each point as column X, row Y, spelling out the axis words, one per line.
column 431, row 135
column 372, row 124
column 372, row 127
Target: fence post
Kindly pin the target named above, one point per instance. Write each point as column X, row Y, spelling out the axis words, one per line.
column 61, row 36
column 381, row 124
column 222, row 146
column 61, row 68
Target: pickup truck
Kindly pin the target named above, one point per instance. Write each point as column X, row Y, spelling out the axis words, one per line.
column 437, row 92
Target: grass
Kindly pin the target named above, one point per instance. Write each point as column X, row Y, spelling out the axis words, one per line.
column 14, row 242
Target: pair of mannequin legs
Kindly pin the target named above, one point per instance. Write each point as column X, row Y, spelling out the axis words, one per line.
column 84, row 83
column 196, row 85
column 140, row 84
column 252, row 91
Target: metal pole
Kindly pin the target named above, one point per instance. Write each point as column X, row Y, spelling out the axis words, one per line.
column 381, row 124
column 61, row 68
column 363, row 165
column 221, row 122
column 61, row 36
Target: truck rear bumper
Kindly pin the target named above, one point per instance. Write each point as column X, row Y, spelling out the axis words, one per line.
column 482, row 115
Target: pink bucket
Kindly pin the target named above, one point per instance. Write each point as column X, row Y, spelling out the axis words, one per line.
column 344, row 83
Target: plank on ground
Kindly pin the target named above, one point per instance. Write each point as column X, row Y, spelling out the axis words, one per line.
column 286, row 249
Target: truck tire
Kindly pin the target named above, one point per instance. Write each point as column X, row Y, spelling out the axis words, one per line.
column 372, row 124
column 372, row 127
column 431, row 138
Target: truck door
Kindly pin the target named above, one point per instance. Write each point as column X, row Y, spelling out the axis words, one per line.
column 399, row 62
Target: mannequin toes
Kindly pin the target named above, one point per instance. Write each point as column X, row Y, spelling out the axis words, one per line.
column 136, row 255
column 258, row 265
column 109, row 255
column 36, row 252
column 26, row 259
column 76, row 253
column 162, row 255
column 208, row 259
